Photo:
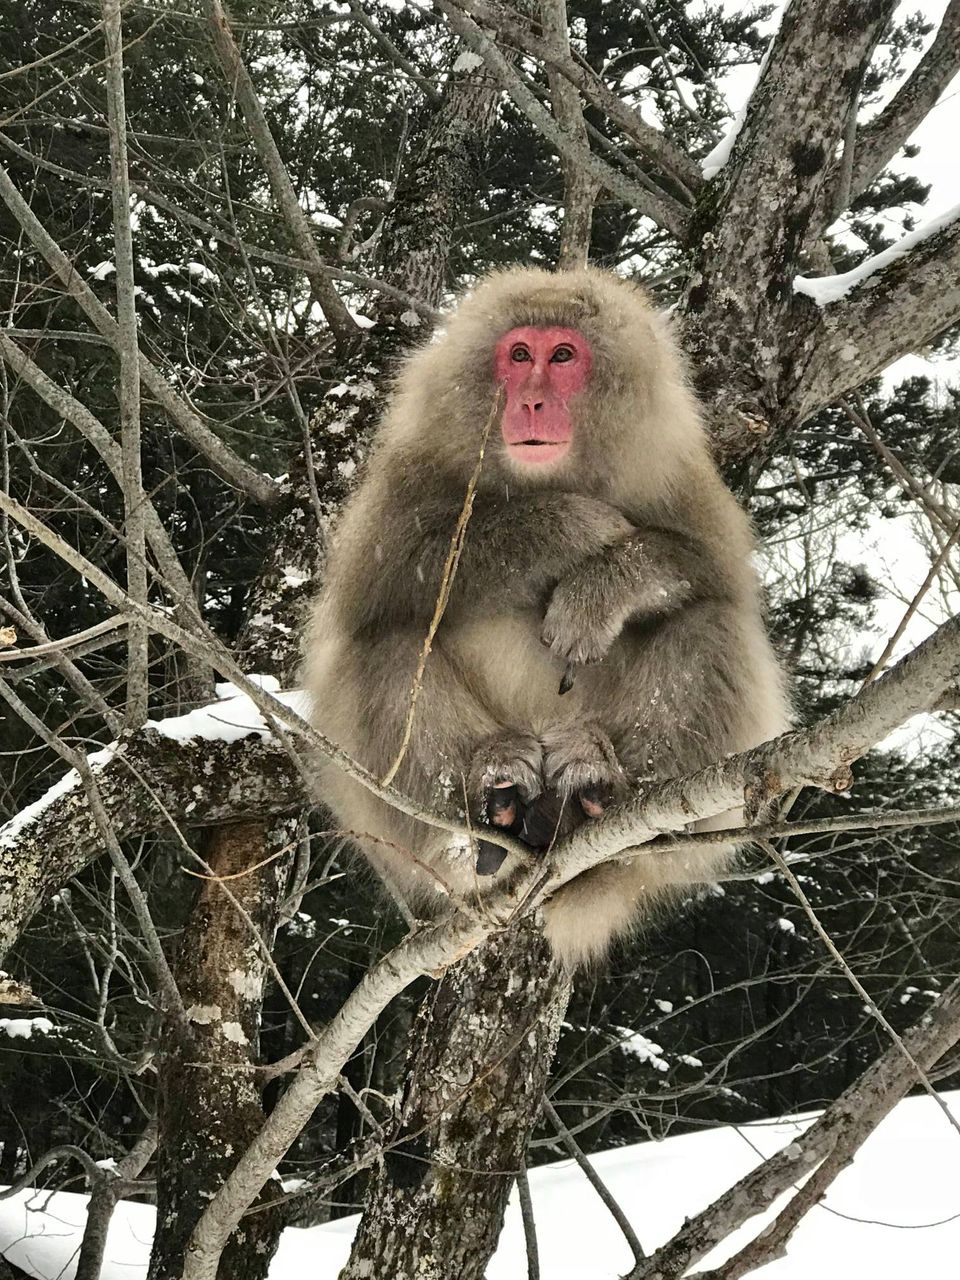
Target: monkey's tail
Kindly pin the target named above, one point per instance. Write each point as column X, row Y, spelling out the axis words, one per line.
column 586, row 916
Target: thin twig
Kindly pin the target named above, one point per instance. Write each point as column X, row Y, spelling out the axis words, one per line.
column 529, row 1222
column 129, row 353
column 66, row 642
column 855, row 982
column 342, row 325
column 446, row 586
column 572, row 1147
column 901, row 626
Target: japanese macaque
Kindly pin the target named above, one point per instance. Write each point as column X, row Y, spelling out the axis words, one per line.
column 603, row 626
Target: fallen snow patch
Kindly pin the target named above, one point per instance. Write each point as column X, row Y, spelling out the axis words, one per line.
column 892, row 1213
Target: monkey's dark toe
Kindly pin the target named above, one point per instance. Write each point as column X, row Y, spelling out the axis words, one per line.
column 594, row 800
column 489, row 858
column 541, row 821
column 503, row 806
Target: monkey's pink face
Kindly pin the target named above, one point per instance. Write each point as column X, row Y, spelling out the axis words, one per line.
column 540, row 369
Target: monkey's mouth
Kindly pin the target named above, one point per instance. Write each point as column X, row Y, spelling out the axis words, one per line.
column 538, row 451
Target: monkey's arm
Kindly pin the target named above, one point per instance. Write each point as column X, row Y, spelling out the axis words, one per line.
column 514, row 551
column 653, row 572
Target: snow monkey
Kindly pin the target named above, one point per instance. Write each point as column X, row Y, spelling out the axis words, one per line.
column 603, row 626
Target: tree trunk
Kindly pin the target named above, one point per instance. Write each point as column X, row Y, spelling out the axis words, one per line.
column 209, row 1099
column 482, row 1047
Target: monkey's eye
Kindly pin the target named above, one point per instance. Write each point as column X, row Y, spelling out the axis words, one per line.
column 519, row 355
column 562, row 355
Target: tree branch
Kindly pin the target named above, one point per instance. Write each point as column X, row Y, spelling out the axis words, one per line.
column 219, row 232
column 839, row 1131
column 343, row 326
column 653, row 143
column 896, row 303
column 880, row 140
column 220, row 456
column 579, row 190
column 135, row 709
column 820, row 755
column 663, row 209
column 146, row 781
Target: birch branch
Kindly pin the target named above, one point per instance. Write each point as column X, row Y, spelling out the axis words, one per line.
column 841, row 1129
column 820, row 755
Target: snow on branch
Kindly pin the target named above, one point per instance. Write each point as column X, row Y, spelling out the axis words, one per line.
column 827, row 289
column 895, row 303
column 213, row 765
column 715, row 159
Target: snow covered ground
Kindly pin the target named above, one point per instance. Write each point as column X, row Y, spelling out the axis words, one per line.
column 895, row 1212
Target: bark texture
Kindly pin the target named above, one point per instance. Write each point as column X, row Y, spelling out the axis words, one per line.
column 210, row 1104
column 752, row 220
column 483, row 1043
column 436, row 191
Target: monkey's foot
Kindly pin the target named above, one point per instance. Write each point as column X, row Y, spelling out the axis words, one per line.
column 581, row 765
column 505, row 777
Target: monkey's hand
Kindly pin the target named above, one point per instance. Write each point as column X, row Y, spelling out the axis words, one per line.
column 652, row 572
column 587, row 612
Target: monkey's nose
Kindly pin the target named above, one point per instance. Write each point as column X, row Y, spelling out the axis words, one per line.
column 534, row 405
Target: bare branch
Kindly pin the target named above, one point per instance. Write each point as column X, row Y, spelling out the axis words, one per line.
column 220, row 233
column 105, row 1191
column 429, row 90
column 662, row 208
column 221, row 458
column 343, row 326
column 135, row 710
column 572, row 1147
column 652, row 142
column 880, row 140
column 62, row 402
column 107, row 627
column 820, row 756
column 579, row 190
column 842, row 1128
column 108, row 837
column 529, row 1223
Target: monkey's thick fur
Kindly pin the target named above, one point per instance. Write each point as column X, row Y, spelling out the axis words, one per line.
column 631, row 555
